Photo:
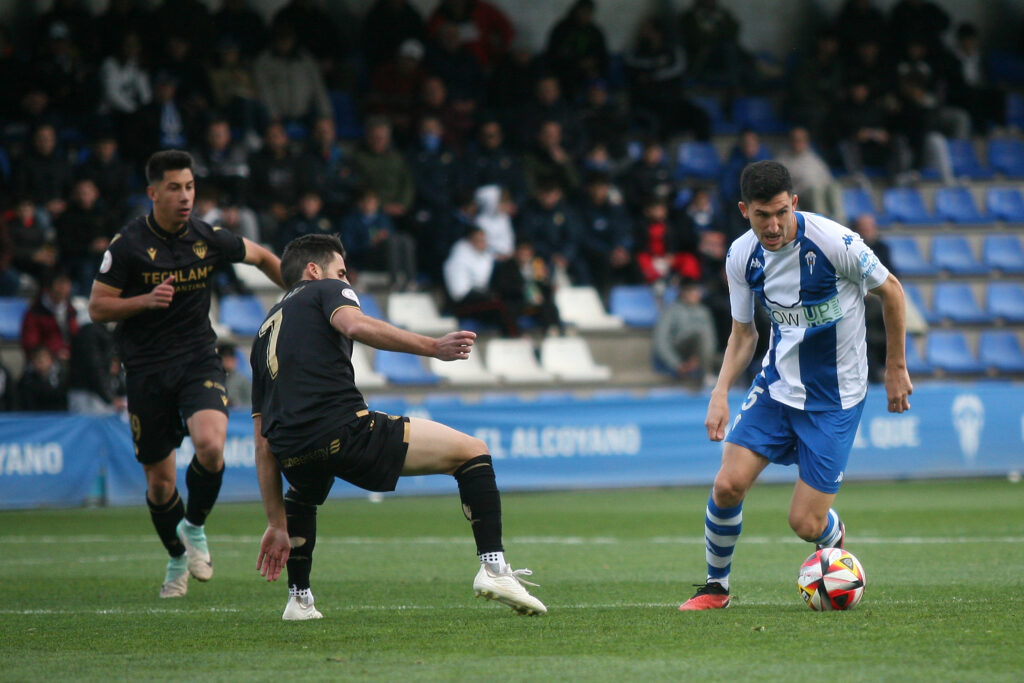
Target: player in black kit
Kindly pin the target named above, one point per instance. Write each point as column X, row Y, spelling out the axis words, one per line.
column 155, row 281
column 312, row 424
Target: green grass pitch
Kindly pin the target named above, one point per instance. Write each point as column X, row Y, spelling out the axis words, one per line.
column 944, row 600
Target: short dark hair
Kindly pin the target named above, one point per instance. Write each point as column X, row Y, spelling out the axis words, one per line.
column 166, row 160
column 315, row 248
column 762, row 180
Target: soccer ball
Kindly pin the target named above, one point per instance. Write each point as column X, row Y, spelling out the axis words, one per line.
column 831, row 579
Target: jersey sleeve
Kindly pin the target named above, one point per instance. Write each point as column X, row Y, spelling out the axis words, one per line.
column 335, row 297
column 232, row 246
column 856, row 261
column 113, row 270
column 741, row 298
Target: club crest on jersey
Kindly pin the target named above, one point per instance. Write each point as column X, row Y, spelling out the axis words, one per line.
column 810, row 257
column 152, row 253
column 349, row 294
column 200, row 249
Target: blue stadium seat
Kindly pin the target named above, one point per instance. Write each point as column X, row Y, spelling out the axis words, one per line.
column 1005, row 301
column 953, row 254
column 720, row 125
column 949, row 351
column 635, row 304
column 242, row 314
column 1003, row 253
column 916, row 296
column 1000, row 349
column 907, row 258
column 955, row 301
column 347, row 123
column 905, row 205
column 697, row 159
column 1005, row 203
column 244, row 366
column 858, row 201
column 1006, row 156
column 5, row 165
column 916, row 364
column 1015, row 109
column 965, row 161
column 12, row 310
column 956, row 204
column 403, row 368
column 756, row 113
column 369, row 305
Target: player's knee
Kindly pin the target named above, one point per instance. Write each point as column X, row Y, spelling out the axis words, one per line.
column 160, row 489
column 209, row 449
column 805, row 525
column 469, row 448
column 728, row 492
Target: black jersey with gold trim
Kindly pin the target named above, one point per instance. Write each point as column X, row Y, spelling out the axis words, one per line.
column 302, row 379
column 140, row 257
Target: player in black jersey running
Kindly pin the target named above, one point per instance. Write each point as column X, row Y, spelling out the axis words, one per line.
column 312, row 424
column 155, row 281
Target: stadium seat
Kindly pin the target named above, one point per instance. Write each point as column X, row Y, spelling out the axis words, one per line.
column 1000, row 349
column 917, row 298
column 244, row 366
column 697, row 159
column 907, row 258
column 368, row 304
column 953, row 254
column 251, row 277
column 965, row 161
column 1005, row 301
column 858, row 201
column 402, row 368
column 949, row 351
column 1003, row 253
column 916, row 364
column 720, row 125
column 470, row 370
column 12, row 310
column 514, row 361
column 242, row 314
column 569, row 358
column 955, row 301
column 635, row 304
column 1005, row 203
column 581, row 307
column 1006, row 156
column 365, row 376
column 956, row 204
column 417, row 311
column 756, row 113
column 905, row 205
column 346, row 116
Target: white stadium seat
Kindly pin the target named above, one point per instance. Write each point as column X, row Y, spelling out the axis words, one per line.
column 417, row 311
column 468, row 371
column 514, row 361
column 582, row 308
column 365, row 376
column 569, row 358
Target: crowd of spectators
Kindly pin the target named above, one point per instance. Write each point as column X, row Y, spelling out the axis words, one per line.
column 444, row 151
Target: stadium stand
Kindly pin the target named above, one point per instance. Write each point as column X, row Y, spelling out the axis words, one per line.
column 916, row 364
column 965, row 161
column 696, row 159
column 12, row 310
column 907, row 257
column 949, row 351
column 403, row 368
column 1005, row 203
column 916, row 296
column 1006, row 156
column 365, row 375
column 906, row 205
column 953, row 254
column 636, row 305
column 956, row 204
column 468, row 371
column 858, row 201
column 515, row 362
column 1004, row 301
column 1000, row 350
column 758, row 114
column 417, row 311
column 243, row 314
column 581, row 307
column 569, row 359
column 955, row 301
column 1003, row 253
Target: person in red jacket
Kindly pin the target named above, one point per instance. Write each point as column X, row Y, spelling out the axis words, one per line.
column 51, row 320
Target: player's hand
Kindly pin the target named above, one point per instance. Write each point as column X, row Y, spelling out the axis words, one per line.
column 455, row 345
column 718, row 417
column 898, row 389
column 161, row 295
column 274, row 550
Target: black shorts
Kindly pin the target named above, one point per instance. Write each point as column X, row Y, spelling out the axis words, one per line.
column 159, row 402
column 368, row 452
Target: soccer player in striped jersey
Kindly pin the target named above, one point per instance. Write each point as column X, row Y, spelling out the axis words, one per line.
column 811, row 275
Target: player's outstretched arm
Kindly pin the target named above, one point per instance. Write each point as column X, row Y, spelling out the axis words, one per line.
column 898, row 387
column 739, row 350
column 106, row 304
column 265, row 260
column 275, row 545
column 354, row 324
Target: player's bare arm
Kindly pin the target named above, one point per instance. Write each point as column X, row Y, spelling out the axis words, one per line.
column 107, row 305
column 354, row 324
column 275, row 545
column 739, row 351
column 894, row 311
column 264, row 259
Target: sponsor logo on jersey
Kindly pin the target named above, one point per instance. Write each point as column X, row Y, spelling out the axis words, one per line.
column 814, row 315
column 152, row 253
column 868, row 263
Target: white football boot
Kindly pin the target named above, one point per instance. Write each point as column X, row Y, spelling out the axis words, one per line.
column 199, row 563
column 176, row 579
column 301, row 609
column 507, row 588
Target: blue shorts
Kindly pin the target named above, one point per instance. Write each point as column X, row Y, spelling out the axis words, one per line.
column 819, row 442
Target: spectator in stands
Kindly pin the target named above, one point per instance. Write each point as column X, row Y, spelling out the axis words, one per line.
column 32, row 238
column 916, row 120
column 490, row 162
column 61, row 70
column 448, row 59
column 523, row 283
column 704, row 218
column 183, row 58
column 606, row 243
column 812, row 178
column 221, row 162
column 389, row 24
column 684, row 337
column 553, row 227
column 235, row 94
column 969, row 87
column 43, row 385
column 933, row 69
column 483, row 28
column 327, row 168
column 8, row 390
column 602, row 120
column 467, row 278
column 121, row 18
column 83, row 234
column 189, row 18
column 372, row 242
column 288, row 80
column 456, row 115
column 913, row 18
column 111, row 174
column 548, row 104
column 651, row 174
column 818, row 76
column 511, row 84
column 747, row 150
column 10, row 278
column 859, row 18
column 576, row 49
column 239, row 387
column 710, row 34
column 860, row 134
column 76, row 18
column 275, row 180
column 866, row 226
column 656, row 90
column 494, row 217
column 324, row 38
column 162, row 124
column 51, row 322
column 235, row 218
column 395, row 86
column 549, row 159
column 382, row 168
column 13, row 79
column 124, row 81
column 42, row 173
column 238, row 24
column 434, row 249
column 665, row 248
column 309, row 219
column 869, row 64
column 96, row 384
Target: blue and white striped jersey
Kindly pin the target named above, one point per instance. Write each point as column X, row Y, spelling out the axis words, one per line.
column 813, row 290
